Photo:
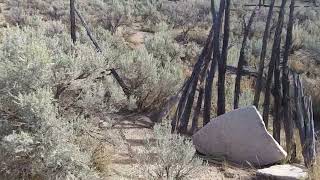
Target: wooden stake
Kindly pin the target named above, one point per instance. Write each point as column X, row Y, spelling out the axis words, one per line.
column 73, row 21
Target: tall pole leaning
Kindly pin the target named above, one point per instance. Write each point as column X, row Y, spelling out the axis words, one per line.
column 259, row 84
column 73, row 21
column 287, row 118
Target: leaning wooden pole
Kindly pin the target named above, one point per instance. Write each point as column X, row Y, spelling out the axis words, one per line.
column 183, row 112
column 305, row 122
column 259, row 83
column 275, row 59
column 184, row 119
column 310, row 142
column 73, row 21
column 222, row 62
column 287, row 119
column 242, row 61
column 89, row 33
column 216, row 55
column 277, row 83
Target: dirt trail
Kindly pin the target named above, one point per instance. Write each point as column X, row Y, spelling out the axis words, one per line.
column 137, row 129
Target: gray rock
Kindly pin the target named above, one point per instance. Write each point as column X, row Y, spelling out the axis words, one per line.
column 239, row 136
column 283, row 172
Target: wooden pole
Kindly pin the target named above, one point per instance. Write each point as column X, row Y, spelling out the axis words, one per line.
column 305, row 122
column 274, row 63
column 89, row 33
column 242, row 60
column 258, row 87
column 73, row 21
column 267, row 6
column 197, row 110
column 216, row 55
column 183, row 112
column 222, row 62
column 287, row 119
column 309, row 142
column 277, row 83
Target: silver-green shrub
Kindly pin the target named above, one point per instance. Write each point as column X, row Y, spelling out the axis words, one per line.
column 45, row 145
column 36, row 139
column 151, row 80
column 25, row 63
column 169, row 156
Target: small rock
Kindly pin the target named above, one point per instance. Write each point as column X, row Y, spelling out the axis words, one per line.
column 239, row 136
column 229, row 175
column 104, row 125
column 283, row 172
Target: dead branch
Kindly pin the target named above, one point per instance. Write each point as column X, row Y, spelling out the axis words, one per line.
column 89, row 33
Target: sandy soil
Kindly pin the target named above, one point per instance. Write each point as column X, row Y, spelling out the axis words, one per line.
column 137, row 129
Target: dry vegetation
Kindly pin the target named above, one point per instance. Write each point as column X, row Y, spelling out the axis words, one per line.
column 55, row 95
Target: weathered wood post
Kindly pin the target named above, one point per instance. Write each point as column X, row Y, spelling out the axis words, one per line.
column 73, row 21
column 89, row 33
column 222, row 62
column 274, row 64
column 181, row 119
column 305, row 122
column 217, row 22
column 242, row 60
column 258, row 87
column 309, row 143
column 287, row 119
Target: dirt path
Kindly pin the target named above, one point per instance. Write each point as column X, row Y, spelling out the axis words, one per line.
column 137, row 129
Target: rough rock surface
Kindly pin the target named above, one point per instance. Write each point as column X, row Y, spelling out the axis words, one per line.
column 239, row 136
column 283, row 172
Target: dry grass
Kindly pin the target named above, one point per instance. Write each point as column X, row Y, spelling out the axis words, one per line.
column 315, row 171
column 102, row 158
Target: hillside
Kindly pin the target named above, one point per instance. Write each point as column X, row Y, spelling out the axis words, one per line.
column 108, row 98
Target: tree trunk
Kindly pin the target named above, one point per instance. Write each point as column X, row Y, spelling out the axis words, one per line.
column 73, row 21
column 258, row 87
column 287, row 119
column 242, row 60
column 274, row 63
column 216, row 55
column 222, row 62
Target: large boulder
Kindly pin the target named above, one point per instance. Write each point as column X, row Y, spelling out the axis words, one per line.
column 239, row 136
